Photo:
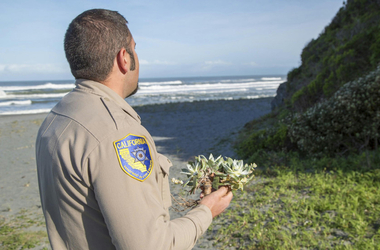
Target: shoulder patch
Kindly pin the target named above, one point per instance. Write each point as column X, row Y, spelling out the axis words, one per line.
column 134, row 156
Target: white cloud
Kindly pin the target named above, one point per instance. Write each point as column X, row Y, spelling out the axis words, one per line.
column 143, row 62
column 32, row 68
column 156, row 62
column 212, row 65
column 252, row 64
column 218, row 62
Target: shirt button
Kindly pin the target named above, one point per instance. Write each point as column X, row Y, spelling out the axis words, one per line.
column 106, row 98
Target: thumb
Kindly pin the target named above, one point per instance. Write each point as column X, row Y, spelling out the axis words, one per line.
column 222, row 191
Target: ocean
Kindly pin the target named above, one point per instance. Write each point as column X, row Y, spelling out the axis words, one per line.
column 31, row 97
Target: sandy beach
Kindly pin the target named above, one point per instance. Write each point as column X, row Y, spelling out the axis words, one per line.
column 180, row 130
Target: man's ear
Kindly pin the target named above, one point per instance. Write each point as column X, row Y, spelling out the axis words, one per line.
column 122, row 61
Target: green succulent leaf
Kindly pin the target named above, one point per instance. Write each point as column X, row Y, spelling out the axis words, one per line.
column 223, row 172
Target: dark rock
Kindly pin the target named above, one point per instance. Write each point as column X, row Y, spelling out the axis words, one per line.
column 278, row 101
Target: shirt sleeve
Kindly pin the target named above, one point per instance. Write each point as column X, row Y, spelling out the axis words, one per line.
column 134, row 211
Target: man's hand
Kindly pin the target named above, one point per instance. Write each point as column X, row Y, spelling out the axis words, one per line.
column 217, row 201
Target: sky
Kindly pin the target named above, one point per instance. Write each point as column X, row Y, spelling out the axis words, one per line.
column 175, row 38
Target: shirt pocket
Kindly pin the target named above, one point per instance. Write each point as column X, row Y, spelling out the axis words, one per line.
column 165, row 165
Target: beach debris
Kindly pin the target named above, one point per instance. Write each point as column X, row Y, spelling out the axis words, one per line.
column 209, row 174
column 183, row 204
column 176, row 181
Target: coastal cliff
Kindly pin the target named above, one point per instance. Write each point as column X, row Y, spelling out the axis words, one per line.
column 330, row 104
column 348, row 48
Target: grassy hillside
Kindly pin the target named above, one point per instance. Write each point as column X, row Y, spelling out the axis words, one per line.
column 346, row 49
column 332, row 101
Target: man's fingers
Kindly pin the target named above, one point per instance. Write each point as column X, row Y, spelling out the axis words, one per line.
column 224, row 190
column 229, row 195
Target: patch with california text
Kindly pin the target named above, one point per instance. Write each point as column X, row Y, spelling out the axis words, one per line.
column 134, row 156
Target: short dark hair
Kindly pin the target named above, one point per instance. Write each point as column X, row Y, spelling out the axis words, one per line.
column 92, row 42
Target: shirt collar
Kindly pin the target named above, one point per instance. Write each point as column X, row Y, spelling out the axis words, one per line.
column 102, row 90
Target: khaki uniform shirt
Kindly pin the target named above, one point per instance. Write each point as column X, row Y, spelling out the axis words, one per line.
column 102, row 183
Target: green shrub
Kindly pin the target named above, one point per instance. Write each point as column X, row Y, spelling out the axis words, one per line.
column 375, row 49
column 348, row 122
column 297, row 95
column 272, row 139
column 294, row 73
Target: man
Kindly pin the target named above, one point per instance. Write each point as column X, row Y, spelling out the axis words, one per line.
column 102, row 183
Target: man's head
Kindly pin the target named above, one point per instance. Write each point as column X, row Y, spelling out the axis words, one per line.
column 92, row 41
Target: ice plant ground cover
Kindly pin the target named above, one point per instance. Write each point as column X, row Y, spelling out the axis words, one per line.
column 207, row 174
column 24, row 230
column 330, row 203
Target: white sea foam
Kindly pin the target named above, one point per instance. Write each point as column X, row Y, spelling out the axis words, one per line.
column 206, row 88
column 13, row 101
column 26, row 102
column 271, row 78
column 258, row 96
column 239, row 80
column 42, row 86
column 33, row 96
column 160, row 83
column 26, row 112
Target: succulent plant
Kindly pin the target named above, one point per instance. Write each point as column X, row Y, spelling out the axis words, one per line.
column 208, row 174
column 238, row 173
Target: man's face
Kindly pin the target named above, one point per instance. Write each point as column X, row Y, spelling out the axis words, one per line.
column 134, row 74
